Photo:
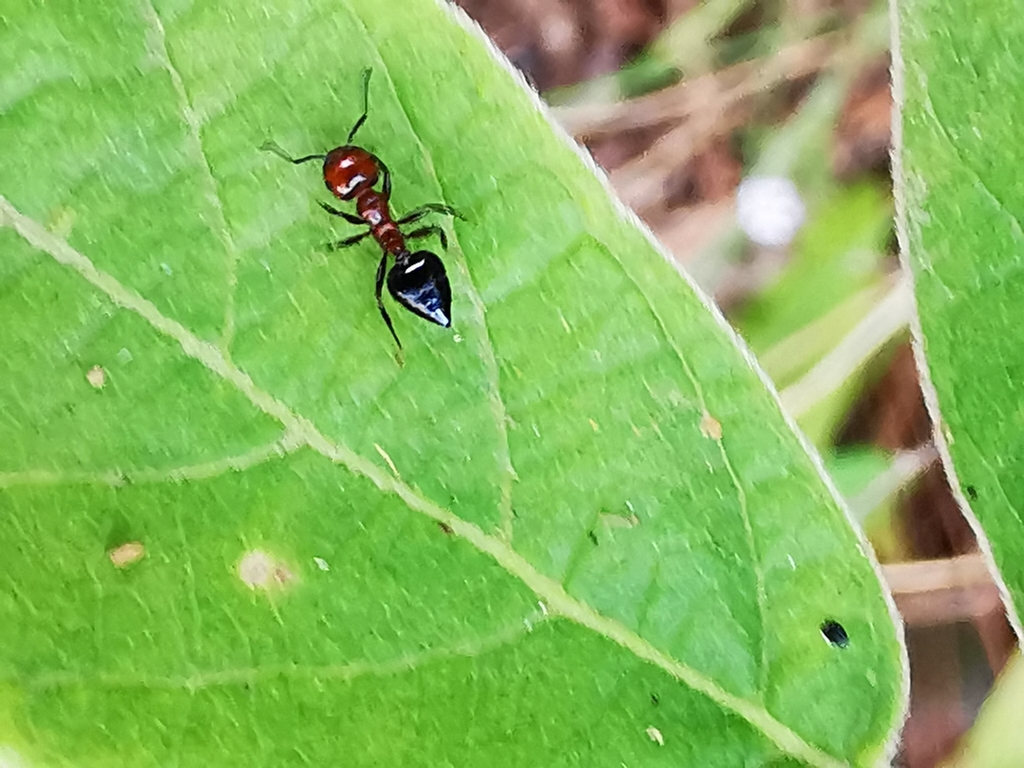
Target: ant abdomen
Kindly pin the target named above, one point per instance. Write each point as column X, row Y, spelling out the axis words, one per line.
column 419, row 283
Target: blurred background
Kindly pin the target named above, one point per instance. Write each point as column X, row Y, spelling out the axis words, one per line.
column 753, row 137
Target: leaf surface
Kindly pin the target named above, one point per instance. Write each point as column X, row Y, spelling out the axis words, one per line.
column 961, row 202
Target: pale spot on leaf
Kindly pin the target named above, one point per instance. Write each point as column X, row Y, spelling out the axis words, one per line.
column 384, row 455
column 321, row 564
column 619, row 521
column 127, row 554
column 260, row 570
column 96, row 376
column 655, row 735
column 710, row 427
column 61, row 225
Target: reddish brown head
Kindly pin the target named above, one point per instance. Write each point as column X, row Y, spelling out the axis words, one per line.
column 350, row 171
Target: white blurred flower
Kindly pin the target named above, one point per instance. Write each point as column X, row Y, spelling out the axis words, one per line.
column 769, row 210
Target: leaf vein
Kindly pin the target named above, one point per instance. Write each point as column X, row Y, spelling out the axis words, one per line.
column 207, row 470
column 157, row 44
column 980, row 184
column 741, row 494
column 478, row 317
column 345, row 672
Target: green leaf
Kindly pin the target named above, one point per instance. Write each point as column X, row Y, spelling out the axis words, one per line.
column 960, row 205
column 996, row 740
column 236, row 532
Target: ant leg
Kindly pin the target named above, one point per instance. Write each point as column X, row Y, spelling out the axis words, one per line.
column 346, row 216
column 386, row 173
column 273, row 146
column 433, row 229
column 366, row 105
column 423, row 210
column 380, row 302
column 347, row 242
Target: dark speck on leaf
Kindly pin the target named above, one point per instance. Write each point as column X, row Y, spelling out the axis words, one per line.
column 593, row 537
column 972, row 492
column 655, row 700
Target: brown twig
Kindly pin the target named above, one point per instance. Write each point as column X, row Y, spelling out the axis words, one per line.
column 593, row 121
column 716, row 107
column 932, row 592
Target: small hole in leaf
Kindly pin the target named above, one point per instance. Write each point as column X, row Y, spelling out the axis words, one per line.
column 972, row 492
column 833, row 632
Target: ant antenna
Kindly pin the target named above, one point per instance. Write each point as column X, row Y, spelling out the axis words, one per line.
column 273, row 146
column 366, row 106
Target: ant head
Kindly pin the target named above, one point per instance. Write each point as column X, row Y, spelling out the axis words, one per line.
column 419, row 283
column 349, row 171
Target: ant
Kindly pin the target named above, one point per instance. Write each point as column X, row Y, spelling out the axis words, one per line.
column 417, row 280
